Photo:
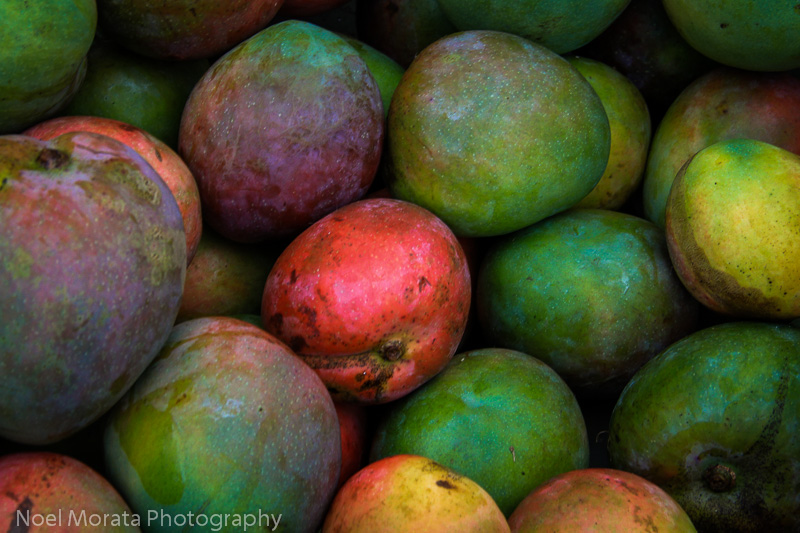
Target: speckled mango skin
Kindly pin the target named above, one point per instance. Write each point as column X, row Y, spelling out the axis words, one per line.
column 499, row 417
column 51, row 484
column 727, row 395
column 226, row 420
column 746, row 34
column 94, row 257
column 410, row 493
column 285, row 128
column 599, row 500
column 560, row 25
column 723, row 104
column 492, row 133
column 164, row 160
column 43, row 48
column 183, row 29
column 732, row 219
column 629, row 121
column 375, row 297
column 590, row 292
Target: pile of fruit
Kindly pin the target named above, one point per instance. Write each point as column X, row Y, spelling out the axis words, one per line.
column 400, row 265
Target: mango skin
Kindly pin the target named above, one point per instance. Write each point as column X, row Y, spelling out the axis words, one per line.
column 94, row 258
column 313, row 146
column 560, row 25
column 43, row 48
column 610, row 501
column 410, row 493
column 732, row 216
column 714, row 421
column 722, row 104
column 138, row 90
column 499, row 417
column 492, row 133
column 183, row 29
column 226, row 420
column 590, row 292
column 169, row 166
column 401, row 28
column 745, row 34
column 52, row 484
column 629, row 120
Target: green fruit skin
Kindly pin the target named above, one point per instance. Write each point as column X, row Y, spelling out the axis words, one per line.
column 629, row 121
column 732, row 216
column 745, row 34
column 499, row 417
column 386, row 71
column 590, row 292
column 144, row 92
column 560, row 25
column 726, row 395
column 492, row 133
column 723, row 104
column 226, row 420
column 94, row 260
column 43, row 47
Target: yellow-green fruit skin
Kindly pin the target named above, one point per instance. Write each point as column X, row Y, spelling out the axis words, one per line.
column 629, row 120
column 714, row 420
column 492, row 132
column 732, row 218
column 408, row 494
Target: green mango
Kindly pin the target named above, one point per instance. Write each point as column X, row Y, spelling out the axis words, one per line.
column 746, row 34
column 715, row 421
column 43, row 47
column 499, row 417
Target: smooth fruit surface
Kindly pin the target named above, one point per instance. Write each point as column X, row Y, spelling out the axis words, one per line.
column 599, row 500
column 629, row 121
column 45, row 492
column 722, row 104
column 746, row 34
column 492, row 132
column 560, row 25
column 732, row 216
column 226, row 420
column 409, row 493
column 714, row 421
column 313, row 145
column 499, row 417
column 43, row 47
column 374, row 296
column 138, row 90
column 183, row 29
column 590, row 292
column 94, row 256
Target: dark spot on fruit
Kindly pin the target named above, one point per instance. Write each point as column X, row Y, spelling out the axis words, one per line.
column 3, row 183
column 24, row 509
column 158, row 154
column 423, row 282
column 193, row 12
column 275, row 324
column 293, row 277
column 393, row 350
column 719, row 478
column 297, row 343
column 724, row 25
column 445, row 484
column 50, row 158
